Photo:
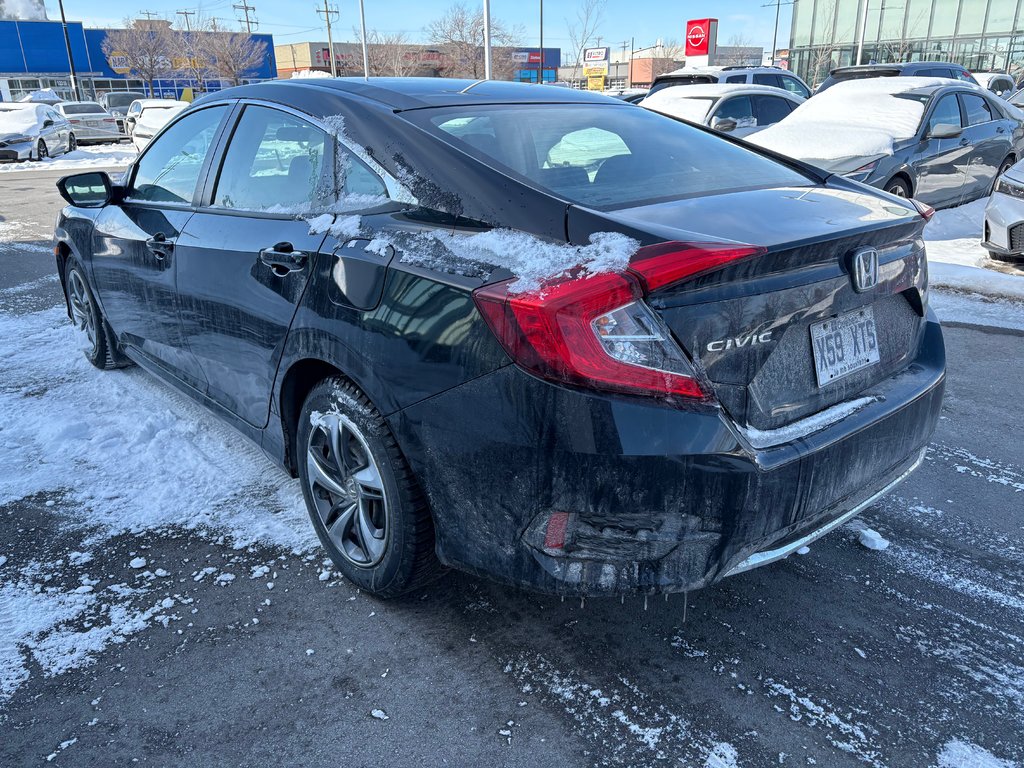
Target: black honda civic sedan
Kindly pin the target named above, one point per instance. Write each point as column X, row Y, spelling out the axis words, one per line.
column 531, row 333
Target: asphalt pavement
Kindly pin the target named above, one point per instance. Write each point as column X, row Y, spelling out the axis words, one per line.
column 911, row 656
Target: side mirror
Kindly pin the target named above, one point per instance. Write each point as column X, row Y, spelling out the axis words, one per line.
column 87, row 190
column 723, row 124
column 47, row 123
column 945, row 131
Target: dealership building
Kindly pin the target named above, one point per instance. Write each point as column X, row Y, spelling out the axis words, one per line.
column 33, row 56
column 982, row 35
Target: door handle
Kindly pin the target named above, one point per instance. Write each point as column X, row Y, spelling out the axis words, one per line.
column 160, row 246
column 965, row 142
column 282, row 258
column 1000, row 129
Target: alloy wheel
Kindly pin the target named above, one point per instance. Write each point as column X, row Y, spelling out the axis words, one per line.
column 41, row 150
column 898, row 190
column 81, row 306
column 347, row 490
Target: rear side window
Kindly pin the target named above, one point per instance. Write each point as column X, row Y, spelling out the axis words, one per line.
column 766, row 79
column 793, row 85
column 605, row 156
column 736, row 79
column 976, row 109
column 169, row 169
column 771, row 109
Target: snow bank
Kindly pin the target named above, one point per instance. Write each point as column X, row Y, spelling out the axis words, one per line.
column 309, row 74
column 83, row 158
column 857, row 118
column 962, row 754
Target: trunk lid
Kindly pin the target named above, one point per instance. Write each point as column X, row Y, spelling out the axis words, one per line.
column 747, row 326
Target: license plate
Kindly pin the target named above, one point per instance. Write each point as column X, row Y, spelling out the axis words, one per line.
column 93, row 123
column 844, row 344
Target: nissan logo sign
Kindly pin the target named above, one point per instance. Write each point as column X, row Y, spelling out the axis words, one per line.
column 695, row 35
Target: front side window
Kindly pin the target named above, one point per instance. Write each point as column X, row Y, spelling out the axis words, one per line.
column 605, row 156
column 738, row 108
column 772, row 80
column 278, row 162
column 736, row 79
column 169, row 169
column 977, row 109
column 946, row 112
column 793, row 85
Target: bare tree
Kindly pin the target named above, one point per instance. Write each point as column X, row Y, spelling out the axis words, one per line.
column 189, row 55
column 459, row 35
column 143, row 48
column 390, row 54
column 229, row 55
column 735, row 56
column 589, row 16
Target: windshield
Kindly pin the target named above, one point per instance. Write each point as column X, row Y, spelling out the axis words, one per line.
column 81, row 109
column 603, row 156
column 121, row 99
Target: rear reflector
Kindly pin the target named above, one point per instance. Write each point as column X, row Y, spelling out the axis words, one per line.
column 554, row 536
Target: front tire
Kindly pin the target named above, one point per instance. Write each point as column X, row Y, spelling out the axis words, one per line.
column 361, row 496
column 72, row 143
column 86, row 316
column 898, row 186
column 42, row 152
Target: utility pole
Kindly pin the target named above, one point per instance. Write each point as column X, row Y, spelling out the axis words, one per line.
column 863, row 23
column 71, row 60
column 540, row 72
column 328, row 13
column 366, row 55
column 244, row 7
column 186, row 14
column 487, row 40
column 150, row 15
column 632, row 43
column 775, row 35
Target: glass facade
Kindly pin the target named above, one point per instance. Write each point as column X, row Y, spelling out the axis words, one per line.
column 982, row 35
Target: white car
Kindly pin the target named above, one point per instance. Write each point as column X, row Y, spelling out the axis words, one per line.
column 90, row 121
column 152, row 114
column 774, row 77
column 1000, row 83
column 738, row 110
column 1004, row 216
column 30, row 131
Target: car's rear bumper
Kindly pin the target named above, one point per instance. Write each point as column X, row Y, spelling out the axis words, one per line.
column 576, row 493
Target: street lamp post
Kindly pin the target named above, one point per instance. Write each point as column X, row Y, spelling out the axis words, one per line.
column 67, row 44
column 366, row 56
column 487, row 39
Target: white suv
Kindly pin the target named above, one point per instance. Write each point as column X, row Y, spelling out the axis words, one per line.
column 775, row 77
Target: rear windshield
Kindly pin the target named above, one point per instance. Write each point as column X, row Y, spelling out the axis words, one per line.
column 81, row 109
column 683, row 80
column 121, row 99
column 855, row 75
column 607, row 157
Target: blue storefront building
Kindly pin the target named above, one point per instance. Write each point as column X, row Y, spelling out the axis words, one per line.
column 33, row 56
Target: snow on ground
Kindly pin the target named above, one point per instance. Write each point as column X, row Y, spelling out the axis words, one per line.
column 93, row 156
column 112, row 428
column 962, row 754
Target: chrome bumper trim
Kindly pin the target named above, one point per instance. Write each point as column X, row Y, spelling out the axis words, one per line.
column 758, row 559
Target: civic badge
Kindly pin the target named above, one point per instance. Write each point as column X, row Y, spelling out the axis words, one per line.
column 864, row 269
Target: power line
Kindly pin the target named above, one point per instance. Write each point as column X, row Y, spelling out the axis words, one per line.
column 329, row 13
column 244, row 7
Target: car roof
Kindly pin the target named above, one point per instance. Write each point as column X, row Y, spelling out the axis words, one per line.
column 709, row 90
column 894, row 67
column 159, row 103
column 402, row 93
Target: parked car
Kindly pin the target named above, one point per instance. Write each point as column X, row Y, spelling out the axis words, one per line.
column 117, row 103
column 943, row 69
column 774, row 77
column 738, row 110
column 147, row 116
column 42, row 96
column 941, row 142
column 90, row 121
column 31, row 131
column 1000, row 83
column 672, row 359
column 1004, row 216
column 631, row 95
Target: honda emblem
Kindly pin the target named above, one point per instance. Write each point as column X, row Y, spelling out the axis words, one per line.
column 864, row 269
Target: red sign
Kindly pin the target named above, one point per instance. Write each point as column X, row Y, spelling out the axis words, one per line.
column 698, row 34
column 533, row 57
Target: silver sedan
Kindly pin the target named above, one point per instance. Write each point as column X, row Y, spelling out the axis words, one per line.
column 90, row 121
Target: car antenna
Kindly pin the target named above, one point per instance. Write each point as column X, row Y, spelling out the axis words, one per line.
column 472, row 85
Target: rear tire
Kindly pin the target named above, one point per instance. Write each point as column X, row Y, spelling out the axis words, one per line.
column 897, row 186
column 363, row 501
column 1004, row 166
column 85, row 314
column 72, row 143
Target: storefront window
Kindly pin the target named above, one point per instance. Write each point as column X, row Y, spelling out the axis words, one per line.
column 944, row 18
column 803, row 22
column 1001, row 15
column 972, row 17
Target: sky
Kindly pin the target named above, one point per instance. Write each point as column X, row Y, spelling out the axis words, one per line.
column 643, row 20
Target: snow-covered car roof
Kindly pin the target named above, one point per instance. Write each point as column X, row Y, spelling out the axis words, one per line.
column 855, row 118
column 20, row 117
column 685, row 102
column 159, row 103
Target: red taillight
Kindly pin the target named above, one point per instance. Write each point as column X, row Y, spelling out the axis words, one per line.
column 665, row 263
column 924, row 209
